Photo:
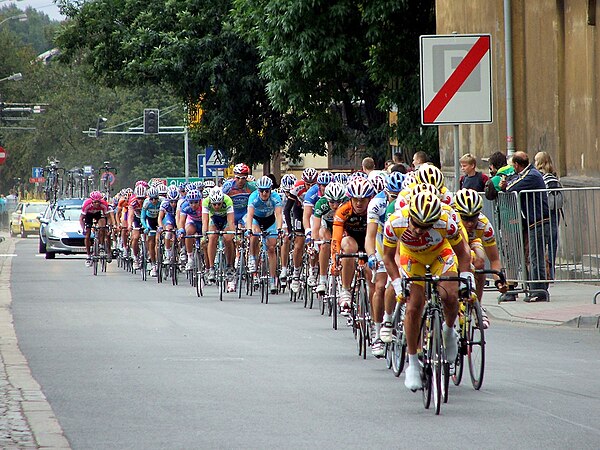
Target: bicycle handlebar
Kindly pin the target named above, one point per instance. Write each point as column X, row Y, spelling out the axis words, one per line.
column 498, row 273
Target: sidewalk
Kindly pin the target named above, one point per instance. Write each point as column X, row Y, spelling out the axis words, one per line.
column 570, row 305
column 26, row 417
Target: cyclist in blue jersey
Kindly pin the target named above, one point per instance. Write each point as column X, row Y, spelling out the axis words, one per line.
column 166, row 219
column 149, row 219
column 190, row 222
column 264, row 214
column 239, row 190
column 311, row 198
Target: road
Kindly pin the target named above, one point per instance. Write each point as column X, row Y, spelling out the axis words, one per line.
column 132, row 364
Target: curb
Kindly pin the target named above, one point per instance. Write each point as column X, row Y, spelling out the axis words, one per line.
column 34, row 406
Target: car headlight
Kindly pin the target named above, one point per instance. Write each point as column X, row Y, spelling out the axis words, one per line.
column 57, row 233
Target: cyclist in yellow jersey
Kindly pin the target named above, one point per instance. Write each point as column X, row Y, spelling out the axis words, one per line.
column 425, row 234
column 481, row 237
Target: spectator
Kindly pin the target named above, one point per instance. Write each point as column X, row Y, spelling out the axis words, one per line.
column 388, row 164
column 274, row 180
column 543, row 163
column 472, row 179
column 399, row 159
column 368, row 165
column 3, row 211
column 499, row 168
column 419, row 158
column 397, row 168
column 535, row 218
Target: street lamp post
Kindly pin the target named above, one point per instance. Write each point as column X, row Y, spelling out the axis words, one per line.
column 14, row 77
column 20, row 17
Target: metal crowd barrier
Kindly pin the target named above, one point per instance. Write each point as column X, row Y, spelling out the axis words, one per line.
column 565, row 244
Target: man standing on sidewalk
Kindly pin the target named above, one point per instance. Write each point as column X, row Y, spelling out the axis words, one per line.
column 535, row 217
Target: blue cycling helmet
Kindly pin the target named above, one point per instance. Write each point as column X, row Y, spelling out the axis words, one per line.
column 183, row 187
column 325, row 178
column 172, row 195
column 359, row 174
column 288, row 181
column 394, row 182
column 340, row 178
column 194, row 195
column 264, row 182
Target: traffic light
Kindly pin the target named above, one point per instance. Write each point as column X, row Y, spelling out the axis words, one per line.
column 151, row 116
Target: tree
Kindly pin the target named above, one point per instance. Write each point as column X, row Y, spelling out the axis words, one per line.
column 192, row 48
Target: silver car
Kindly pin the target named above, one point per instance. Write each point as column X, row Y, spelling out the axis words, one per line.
column 63, row 232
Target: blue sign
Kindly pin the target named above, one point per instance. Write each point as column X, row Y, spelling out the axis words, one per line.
column 216, row 159
column 37, row 172
column 206, row 171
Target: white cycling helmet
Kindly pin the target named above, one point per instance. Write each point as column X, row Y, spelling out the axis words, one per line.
column 360, row 188
column 216, row 195
column 335, row 192
column 140, row 191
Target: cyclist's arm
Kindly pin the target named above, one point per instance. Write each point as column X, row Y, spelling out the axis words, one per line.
column 205, row 222
column 463, row 254
column 231, row 221
column 161, row 216
column 130, row 214
column 82, row 221
column 278, row 217
column 389, row 255
column 287, row 212
column 336, row 236
column 249, row 218
column 181, row 220
column 493, row 257
column 370, row 238
column 315, row 227
column 144, row 219
column 307, row 211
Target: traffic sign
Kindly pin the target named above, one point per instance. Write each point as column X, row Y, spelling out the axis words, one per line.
column 37, row 180
column 2, row 156
column 456, row 79
column 215, row 158
column 178, row 181
column 87, row 170
column 110, row 176
column 37, row 172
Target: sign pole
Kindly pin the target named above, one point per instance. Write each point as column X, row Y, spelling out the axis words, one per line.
column 186, row 153
column 456, row 158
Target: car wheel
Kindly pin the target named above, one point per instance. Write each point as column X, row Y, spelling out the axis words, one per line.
column 10, row 230
column 41, row 246
column 23, row 233
column 50, row 255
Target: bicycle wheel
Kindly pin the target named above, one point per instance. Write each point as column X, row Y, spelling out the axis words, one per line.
column 333, row 302
column 364, row 316
column 398, row 342
column 266, row 275
column 241, row 271
column 459, row 364
column 198, row 272
column 143, row 259
column 221, row 275
column 159, row 260
column 321, row 299
column 436, row 360
column 95, row 254
column 475, row 344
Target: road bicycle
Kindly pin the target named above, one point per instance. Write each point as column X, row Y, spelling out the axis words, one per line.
column 262, row 267
column 435, row 367
column 99, row 250
column 471, row 343
column 220, row 264
column 360, row 312
column 198, row 270
column 54, row 180
column 322, row 296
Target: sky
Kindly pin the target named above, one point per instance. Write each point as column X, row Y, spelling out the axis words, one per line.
column 45, row 6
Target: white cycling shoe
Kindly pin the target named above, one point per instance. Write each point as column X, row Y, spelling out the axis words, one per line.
column 412, row 378
column 450, row 342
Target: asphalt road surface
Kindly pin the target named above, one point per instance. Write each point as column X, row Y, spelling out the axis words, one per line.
column 132, row 364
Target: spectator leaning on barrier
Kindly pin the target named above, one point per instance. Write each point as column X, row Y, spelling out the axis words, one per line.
column 472, row 179
column 543, row 163
column 419, row 159
column 535, row 215
column 499, row 168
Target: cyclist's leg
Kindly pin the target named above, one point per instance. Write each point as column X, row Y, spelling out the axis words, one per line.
column 446, row 265
column 271, row 244
column 190, row 228
column 324, row 253
column 348, row 245
column 212, row 245
column 285, row 251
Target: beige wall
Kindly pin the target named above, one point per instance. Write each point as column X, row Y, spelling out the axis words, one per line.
column 554, row 76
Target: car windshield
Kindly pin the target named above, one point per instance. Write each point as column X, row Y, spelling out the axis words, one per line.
column 35, row 208
column 67, row 214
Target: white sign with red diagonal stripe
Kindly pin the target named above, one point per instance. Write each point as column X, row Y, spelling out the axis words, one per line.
column 456, row 79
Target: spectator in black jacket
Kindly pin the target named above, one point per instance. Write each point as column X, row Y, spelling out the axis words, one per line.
column 535, row 217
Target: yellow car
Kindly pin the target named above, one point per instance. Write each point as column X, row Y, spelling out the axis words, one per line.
column 24, row 220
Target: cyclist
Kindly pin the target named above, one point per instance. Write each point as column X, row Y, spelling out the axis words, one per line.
column 349, row 231
column 297, row 193
column 149, row 221
column 388, row 188
column 322, row 226
column 190, row 222
column 482, row 239
column 287, row 183
column 264, row 214
column 134, row 223
column 423, row 234
column 217, row 215
column 95, row 208
column 310, row 200
column 239, row 190
column 121, row 216
column 166, row 219
column 430, row 174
